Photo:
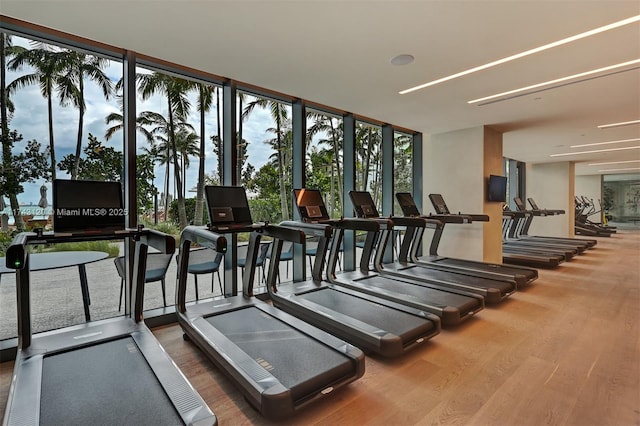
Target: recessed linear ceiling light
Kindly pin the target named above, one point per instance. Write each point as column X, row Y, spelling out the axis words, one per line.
column 614, row 162
column 624, row 123
column 594, row 151
column 605, row 143
column 627, row 21
column 619, row 170
column 553, row 83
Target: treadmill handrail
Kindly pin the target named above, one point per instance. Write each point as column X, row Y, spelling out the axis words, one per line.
column 451, row 218
column 17, row 257
column 316, row 229
column 203, row 236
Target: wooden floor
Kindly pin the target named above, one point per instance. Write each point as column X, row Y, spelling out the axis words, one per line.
column 564, row 351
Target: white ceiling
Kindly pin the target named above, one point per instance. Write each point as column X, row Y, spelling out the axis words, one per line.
column 337, row 53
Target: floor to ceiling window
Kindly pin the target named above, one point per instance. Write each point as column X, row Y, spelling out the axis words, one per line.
column 369, row 160
column 58, row 99
column 324, row 168
column 402, row 167
column 64, row 118
column 178, row 145
column 264, row 156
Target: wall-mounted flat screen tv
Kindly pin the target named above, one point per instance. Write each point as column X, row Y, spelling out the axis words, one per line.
column 497, row 189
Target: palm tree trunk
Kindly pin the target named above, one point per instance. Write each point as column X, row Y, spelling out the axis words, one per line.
column 197, row 219
column 6, row 144
column 51, row 144
column 239, row 142
column 219, row 142
column 182, row 211
column 283, row 190
column 166, row 183
column 76, row 165
column 367, row 160
column 336, row 154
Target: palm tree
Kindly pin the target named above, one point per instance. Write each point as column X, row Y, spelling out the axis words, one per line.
column 144, row 119
column 280, row 115
column 178, row 104
column 160, row 144
column 205, row 101
column 324, row 124
column 188, row 144
column 47, row 67
column 77, row 66
column 7, row 49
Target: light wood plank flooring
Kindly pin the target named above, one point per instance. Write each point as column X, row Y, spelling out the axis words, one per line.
column 565, row 351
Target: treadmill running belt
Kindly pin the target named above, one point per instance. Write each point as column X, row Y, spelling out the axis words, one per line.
column 417, row 293
column 471, row 281
column 503, row 269
column 299, row 362
column 108, row 383
column 408, row 327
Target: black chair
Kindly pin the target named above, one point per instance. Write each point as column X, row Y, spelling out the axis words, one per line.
column 157, row 265
column 260, row 261
column 285, row 256
column 205, row 261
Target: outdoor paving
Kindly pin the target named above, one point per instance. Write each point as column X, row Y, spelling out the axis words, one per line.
column 56, row 298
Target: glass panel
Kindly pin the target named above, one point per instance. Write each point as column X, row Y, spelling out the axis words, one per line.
column 402, row 167
column 264, row 156
column 58, row 99
column 324, row 158
column 178, row 140
column 368, row 161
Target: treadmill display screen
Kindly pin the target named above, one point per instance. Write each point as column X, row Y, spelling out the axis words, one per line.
column 83, row 205
column 310, row 205
column 228, row 205
column 363, row 204
column 438, row 204
column 407, row 204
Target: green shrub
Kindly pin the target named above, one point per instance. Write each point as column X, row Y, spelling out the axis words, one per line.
column 105, row 246
column 5, row 241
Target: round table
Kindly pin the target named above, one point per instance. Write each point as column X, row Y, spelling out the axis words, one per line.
column 63, row 259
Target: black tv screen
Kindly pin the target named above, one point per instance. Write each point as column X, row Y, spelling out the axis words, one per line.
column 497, row 190
column 83, row 205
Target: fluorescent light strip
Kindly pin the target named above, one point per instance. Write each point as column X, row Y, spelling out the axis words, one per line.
column 605, row 143
column 619, row 170
column 614, row 162
column 595, row 151
column 558, row 80
column 624, row 123
column 627, row 21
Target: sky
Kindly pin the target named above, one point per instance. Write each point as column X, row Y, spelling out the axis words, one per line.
column 30, row 119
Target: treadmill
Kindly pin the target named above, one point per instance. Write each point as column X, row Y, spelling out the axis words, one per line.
column 513, row 243
column 492, row 290
column 519, row 275
column 523, row 232
column 112, row 371
column 278, row 362
column 451, row 306
column 520, row 256
column 369, row 322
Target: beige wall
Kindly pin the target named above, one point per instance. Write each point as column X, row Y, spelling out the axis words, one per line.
column 590, row 186
column 456, row 165
column 552, row 186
